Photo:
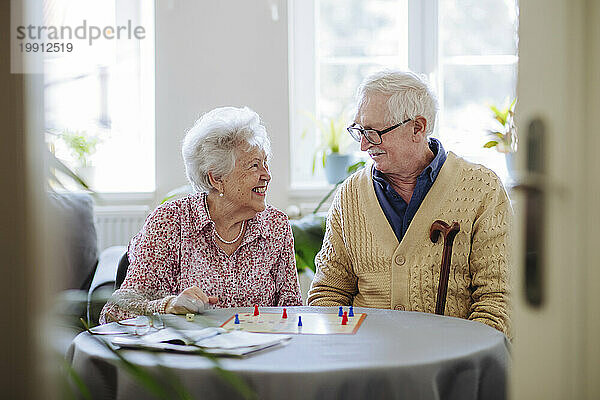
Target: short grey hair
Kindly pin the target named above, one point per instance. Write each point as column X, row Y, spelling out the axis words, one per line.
column 409, row 96
column 210, row 145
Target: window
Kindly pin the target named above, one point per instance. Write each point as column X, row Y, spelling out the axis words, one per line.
column 333, row 48
column 467, row 48
column 101, row 96
column 477, row 68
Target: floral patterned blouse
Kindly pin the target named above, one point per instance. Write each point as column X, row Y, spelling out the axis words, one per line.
column 176, row 249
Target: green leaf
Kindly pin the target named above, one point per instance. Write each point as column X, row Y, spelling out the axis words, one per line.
column 167, row 385
column 505, row 140
column 238, row 384
column 499, row 135
column 314, row 119
column 333, row 139
column 173, row 381
column 55, row 164
column 80, row 144
column 499, row 115
column 144, row 378
column 324, row 199
column 331, row 135
column 181, row 190
column 308, row 238
column 355, row 167
column 301, row 263
column 83, row 389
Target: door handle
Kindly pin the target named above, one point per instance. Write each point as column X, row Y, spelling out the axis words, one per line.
column 535, row 187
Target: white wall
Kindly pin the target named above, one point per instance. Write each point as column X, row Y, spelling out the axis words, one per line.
column 218, row 53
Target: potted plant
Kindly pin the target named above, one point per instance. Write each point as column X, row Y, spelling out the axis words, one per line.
column 61, row 175
column 82, row 147
column 504, row 139
column 333, row 141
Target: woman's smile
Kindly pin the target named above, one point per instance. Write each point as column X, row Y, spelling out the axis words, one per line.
column 260, row 190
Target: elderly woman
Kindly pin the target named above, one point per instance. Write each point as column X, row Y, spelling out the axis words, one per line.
column 223, row 245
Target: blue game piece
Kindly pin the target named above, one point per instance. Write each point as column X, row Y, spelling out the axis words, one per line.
column 299, row 320
column 341, row 312
column 351, row 313
column 237, row 319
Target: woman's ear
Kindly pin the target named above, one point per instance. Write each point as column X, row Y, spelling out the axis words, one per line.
column 217, row 184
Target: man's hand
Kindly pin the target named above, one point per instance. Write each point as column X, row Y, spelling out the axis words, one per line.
column 191, row 300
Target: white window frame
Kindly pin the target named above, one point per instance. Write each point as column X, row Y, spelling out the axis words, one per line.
column 146, row 16
column 302, row 68
column 143, row 14
column 423, row 51
column 424, row 56
column 302, row 58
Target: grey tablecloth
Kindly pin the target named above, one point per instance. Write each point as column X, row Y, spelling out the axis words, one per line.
column 395, row 354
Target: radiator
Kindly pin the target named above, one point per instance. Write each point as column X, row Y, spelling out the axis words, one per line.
column 116, row 225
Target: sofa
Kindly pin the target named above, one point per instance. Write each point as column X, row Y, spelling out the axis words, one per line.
column 80, row 261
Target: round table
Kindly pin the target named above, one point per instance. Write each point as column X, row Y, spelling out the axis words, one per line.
column 394, row 354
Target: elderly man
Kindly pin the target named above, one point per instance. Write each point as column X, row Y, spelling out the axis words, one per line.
column 377, row 252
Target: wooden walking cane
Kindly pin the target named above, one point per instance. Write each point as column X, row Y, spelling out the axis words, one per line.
column 449, row 232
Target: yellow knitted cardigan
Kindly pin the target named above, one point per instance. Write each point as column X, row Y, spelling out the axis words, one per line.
column 362, row 263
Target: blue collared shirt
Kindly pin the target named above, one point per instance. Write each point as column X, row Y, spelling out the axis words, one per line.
column 398, row 213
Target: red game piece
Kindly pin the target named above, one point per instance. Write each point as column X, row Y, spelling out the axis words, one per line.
column 345, row 318
column 284, row 315
column 255, row 310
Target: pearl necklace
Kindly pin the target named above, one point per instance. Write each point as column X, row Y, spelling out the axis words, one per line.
column 217, row 233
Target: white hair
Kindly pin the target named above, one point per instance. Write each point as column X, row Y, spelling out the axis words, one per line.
column 409, row 96
column 211, row 144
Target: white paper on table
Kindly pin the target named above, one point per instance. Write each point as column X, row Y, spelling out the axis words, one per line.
column 185, row 337
column 213, row 340
column 239, row 339
column 112, row 329
column 127, row 326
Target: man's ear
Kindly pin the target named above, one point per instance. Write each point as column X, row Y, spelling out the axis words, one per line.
column 216, row 183
column 420, row 125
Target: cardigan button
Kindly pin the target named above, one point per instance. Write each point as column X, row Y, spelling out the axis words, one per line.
column 400, row 307
column 400, row 260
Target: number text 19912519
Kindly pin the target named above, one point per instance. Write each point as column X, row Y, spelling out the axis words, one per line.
column 46, row 47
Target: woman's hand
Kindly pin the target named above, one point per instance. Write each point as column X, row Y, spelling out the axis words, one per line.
column 191, row 300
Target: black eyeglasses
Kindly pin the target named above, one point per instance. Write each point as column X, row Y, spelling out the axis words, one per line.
column 372, row 135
